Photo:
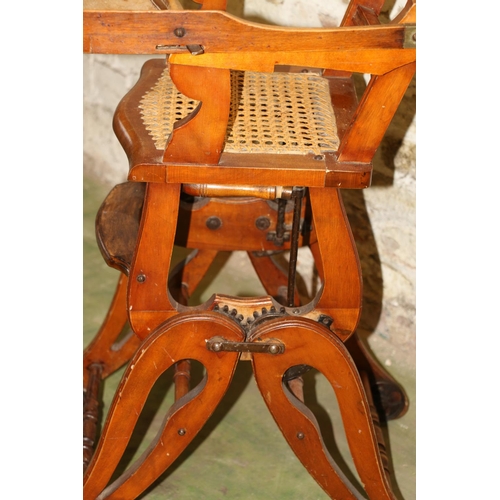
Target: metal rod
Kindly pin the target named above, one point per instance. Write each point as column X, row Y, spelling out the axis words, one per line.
column 280, row 223
column 298, row 194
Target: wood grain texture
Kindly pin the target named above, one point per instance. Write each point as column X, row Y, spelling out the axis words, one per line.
column 307, row 342
column 199, row 137
column 339, row 262
column 376, row 109
column 117, row 224
column 181, row 338
column 146, row 163
column 148, row 283
column 156, row 303
column 118, row 32
column 364, row 60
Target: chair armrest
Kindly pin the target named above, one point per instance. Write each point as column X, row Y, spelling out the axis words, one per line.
column 225, row 40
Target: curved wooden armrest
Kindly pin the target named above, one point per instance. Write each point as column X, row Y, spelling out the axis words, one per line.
column 374, row 49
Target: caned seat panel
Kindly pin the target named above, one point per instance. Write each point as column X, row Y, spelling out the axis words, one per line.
column 273, row 113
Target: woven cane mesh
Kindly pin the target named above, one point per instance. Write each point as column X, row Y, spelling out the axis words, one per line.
column 161, row 107
column 278, row 113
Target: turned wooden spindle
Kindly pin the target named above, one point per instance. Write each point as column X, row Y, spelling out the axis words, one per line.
column 221, row 190
column 91, row 413
column 182, row 377
column 296, row 385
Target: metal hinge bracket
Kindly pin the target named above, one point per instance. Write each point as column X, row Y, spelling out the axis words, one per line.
column 410, row 36
column 219, row 344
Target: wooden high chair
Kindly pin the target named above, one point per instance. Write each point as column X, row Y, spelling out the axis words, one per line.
column 241, row 139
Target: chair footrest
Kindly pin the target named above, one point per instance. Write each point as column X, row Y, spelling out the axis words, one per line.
column 117, row 224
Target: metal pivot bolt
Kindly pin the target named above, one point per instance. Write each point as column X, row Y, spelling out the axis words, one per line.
column 181, row 432
column 179, row 32
column 300, row 435
column 262, row 223
column 141, row 278
column 213, row 223
column 274, row 349
column 216, row 346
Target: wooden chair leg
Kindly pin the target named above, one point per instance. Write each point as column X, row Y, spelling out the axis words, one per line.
column 183, row 281
column 103, row 356
column 104, row 349
column 389, row 396
column 91, row 412
column 310, row 343
column 187, row 275
column 182, row 337
column 273, row 278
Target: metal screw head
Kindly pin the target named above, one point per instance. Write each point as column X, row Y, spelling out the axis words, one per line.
column 141, row 278
column 179, row 32
column 181, row 432
column 319, row 157
column 262, row 223
column 300, row 435
column 213, row 223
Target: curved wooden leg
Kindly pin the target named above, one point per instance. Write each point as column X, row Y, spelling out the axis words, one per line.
column 103, row 349
column 310, row 343
column 187, row 275
column 389, row 396
column 273, row 278
column 182, row 337
column 182, row 282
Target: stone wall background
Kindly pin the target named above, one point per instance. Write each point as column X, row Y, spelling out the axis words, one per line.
column 383, row 216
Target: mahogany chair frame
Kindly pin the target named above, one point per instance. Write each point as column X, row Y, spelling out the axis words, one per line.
column 275, row 332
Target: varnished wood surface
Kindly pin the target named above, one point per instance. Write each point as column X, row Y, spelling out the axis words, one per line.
column 363, row 60
column 307, row 342
column 312, row 334
column 148, row 281
column 146, row 163
column 183, row 338
column 117, row 224
column 118, row 221
column 141, row 32
column 189, row 141
column 376, row 109
column 338, row 260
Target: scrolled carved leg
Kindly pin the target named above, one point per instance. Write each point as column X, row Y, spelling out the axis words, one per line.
column 182, row 337
column 308, row 342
